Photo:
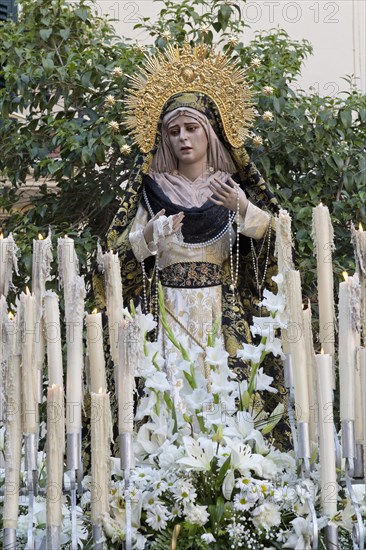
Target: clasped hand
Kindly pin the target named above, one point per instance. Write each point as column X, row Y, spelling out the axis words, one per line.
column 175, row 223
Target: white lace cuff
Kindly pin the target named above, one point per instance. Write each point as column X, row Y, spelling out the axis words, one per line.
column 255, row 222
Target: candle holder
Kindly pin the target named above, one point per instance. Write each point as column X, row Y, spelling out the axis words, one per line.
column 331, row 537
column 338, row 449
column 303, row 455
column 303, row 447
column 73, row 446
column 73, row 459
column 127, row 462
column 98, row 537
column 126, row 450
column 53, row 534
column 9, row 538
column 358, row 463
column 349, row 453
column 289, row 384
column 358, row 531
column 348, row 444
column 30, row 442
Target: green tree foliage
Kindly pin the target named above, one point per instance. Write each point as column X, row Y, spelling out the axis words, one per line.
column 66, row 73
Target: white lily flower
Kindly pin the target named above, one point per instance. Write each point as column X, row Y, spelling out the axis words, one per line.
column 228, row 484
column 213, row 414
column 139, row 540
column 250, row 353
column 261, row 445
column 217, row 355
column 278, row 279
column 273, row 302
column 240, row 425
column 274, row 346
column 200, row 453
column 197, row 399
column 2, row 438
column 242, row 458
column 126, row 313
column 145, row 321
column 158, row 382
column 220, row 381
column 301, row 539
column 265, row 326
column 145, row 406
column 263, row 382
column 170, row 455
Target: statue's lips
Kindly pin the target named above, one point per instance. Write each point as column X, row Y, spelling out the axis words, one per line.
column 186, row 149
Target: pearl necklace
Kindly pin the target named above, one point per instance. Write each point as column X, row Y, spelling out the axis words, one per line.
column 256, row 257
column 235, row 276
column 202, row 244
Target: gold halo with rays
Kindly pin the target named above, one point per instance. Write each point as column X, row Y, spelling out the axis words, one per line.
column 190, row 69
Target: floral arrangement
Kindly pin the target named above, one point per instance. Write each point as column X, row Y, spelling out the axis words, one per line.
column 206, row 474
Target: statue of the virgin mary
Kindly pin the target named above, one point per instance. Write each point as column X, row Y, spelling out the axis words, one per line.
column 196, row 216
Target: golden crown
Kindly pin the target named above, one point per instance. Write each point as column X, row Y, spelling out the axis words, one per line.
column 190, row 69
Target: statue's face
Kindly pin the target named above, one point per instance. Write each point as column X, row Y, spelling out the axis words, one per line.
column 188, row 140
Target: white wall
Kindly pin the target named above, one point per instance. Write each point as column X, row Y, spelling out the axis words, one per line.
column 335, row 28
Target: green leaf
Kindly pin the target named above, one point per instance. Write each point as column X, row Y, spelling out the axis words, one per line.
column 220, row 508
column 100, row 155
column 338, row 160
column 64, row 33
column 107, row 197
column 222, row 472
column 223, row 16
column 48, row 64
column 273, row 419
column 45, row 34
column 85, row 79
column 346, row 117
column 82, row 13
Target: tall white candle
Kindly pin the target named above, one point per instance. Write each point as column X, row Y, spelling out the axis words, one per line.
column 311, row 367
column 41, row 265
column 362, row 358
column 13, row 444
column 30, row 377
column 359, row 397
column 8, row 262
column 359, row 243
column 3, row 355
column 101, row 433
column 55, row 454
column 114, row 298
column 297, row 345
column 348, row 338
column 125, row 378
column 284, row 256
column 41, row 272
column 74, row 295
column 284, row 242
column 326, row 436
column 323, row 243
column 53, row 338
column 94, row 332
